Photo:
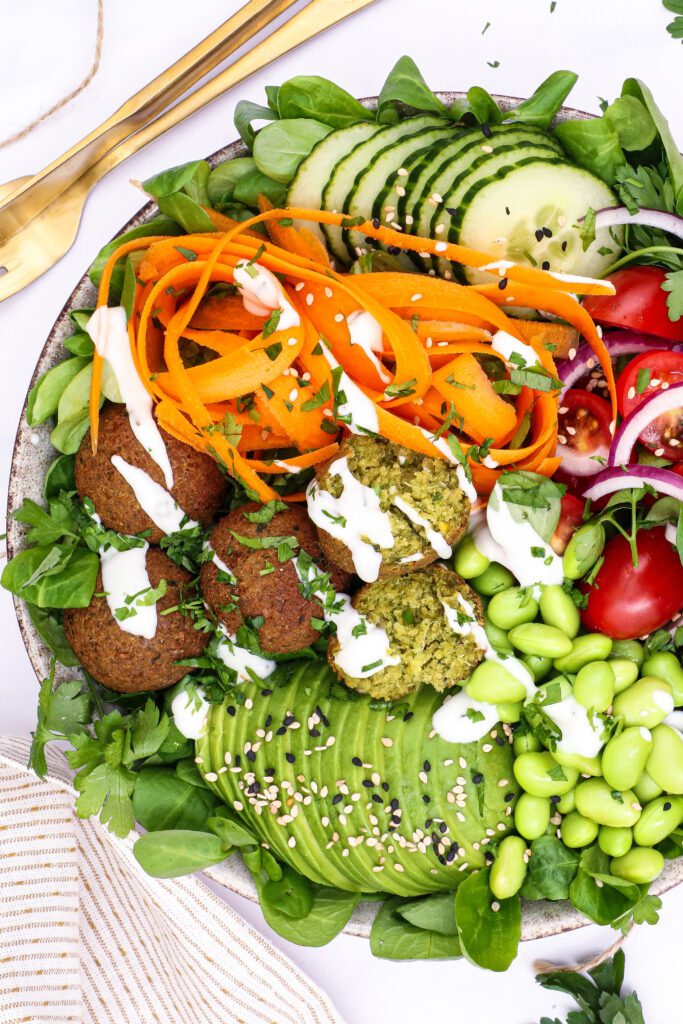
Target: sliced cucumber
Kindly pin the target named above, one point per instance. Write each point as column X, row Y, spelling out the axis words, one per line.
column 313, row 173
column 453, row 166
column 371, row 184
column 347, row 169
column 505, row 215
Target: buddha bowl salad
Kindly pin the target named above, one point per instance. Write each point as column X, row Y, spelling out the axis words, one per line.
column 365, row 536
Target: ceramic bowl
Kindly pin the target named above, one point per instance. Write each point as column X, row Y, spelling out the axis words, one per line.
column 33, row 454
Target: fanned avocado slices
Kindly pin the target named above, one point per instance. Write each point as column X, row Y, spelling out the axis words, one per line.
column 354, row 793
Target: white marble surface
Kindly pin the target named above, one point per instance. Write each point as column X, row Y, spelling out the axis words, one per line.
column 604, row 40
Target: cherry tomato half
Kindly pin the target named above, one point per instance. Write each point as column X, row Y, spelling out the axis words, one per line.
column 641, row 378
column 571, row 517
column 583, row 436
column 627, row 601
column 639, row 303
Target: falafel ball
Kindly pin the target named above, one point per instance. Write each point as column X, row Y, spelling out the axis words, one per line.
column 266, row 587
column 129, row 663
column 421, row 496
column 198, row 484
column 428, row 618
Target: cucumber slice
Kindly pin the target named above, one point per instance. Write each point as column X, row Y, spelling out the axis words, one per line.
column 347, row 169
column 503, row 216
column 313, row 173
column 362, row 198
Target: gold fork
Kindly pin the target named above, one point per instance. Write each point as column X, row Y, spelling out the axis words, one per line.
column 34, row 247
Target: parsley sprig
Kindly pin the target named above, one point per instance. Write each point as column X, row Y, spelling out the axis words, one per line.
column 598, row 994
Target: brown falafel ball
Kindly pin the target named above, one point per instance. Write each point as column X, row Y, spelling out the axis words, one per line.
column 413, row 611
column 265, row 586
column 198, row 484
column 405, row 482
column 129, row 663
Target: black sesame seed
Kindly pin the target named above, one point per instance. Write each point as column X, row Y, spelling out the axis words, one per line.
column 337, row 798
column 231, row 710
column 500, row 741
column 667, row 806
column 564, row 247
column 238, row 760
column 426, row 799
column 503, row 283
column 394, row 250
column 443, row 827
column 375, row 223
column 507, row 210
column 453, row 212
column 377, row 798
column 545, row 265
column 436, row 838
column 281, row 731
column 429, row 822
column 442, row 859
column 394, row 822
column 266, row 693
column 508, row 797
column 314, row 732
column 288, row 720
column 268, row 721
column 427, row 766
column 547, row 232
column 251, row 756
column 486, row 131
column 476, row 779
column 488, row 857
column 254, row 788
column 368, row 783
column 408, row 715
column 451, row 855
column 270, row 772
column 357, row 761
column 385, row 787
column 555, row 799
column 539, row 234
column 394, row 804
column 290, row 758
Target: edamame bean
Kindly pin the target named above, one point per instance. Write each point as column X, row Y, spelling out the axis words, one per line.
column 493, row 580
column 558, row 609
column 615, row 842
column 625, row 673
column 576, row 831
column 532, row 815
column 665, row 763
column 584, row 765
column 469, row 561
column 566, row 803
column 586, row 648
column 638, row 865
column 646, row 789
column 512, row 607
column 525, row 743
column 537, row 638
column 665, row 665
column 583, row 550
column 508, row 870
column 510, row 713
column 594, row 685
column 658, row 820
column 631, row 649
column 647, row 702
column 541, row 775
column 625, row 756
column 539, row 667
column 595, row 799
column 498, row 638
column 491, row 682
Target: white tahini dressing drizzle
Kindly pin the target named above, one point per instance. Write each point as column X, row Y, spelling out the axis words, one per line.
column 357, row 412
column 109, row 332
column 498, row 267
column 458, row 719
column 262, row 293
column 160, row 506
column 355, row 518
column 442, row 445
column 516, row 541
column 432, row 536
column 582, row 732
column 505, row 345
column 124, row 574
column 361, row 653
column 366, row 332
column 190, row 713
column 218, row 562
column 240, row 660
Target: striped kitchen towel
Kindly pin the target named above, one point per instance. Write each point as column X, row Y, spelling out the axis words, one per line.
column 87, row 936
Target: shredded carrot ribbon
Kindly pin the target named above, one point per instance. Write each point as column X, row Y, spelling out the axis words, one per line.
column 263, row 401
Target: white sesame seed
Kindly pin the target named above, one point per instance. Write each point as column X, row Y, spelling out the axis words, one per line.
column 495, row 906
column 572, row 353
column 409, row 219
column 238, row 806
column 299, row 286
column 309, row 298
column 398, row 867
column 487, row 748
column 487, row 149
column 400, row 191
column 631, row 392
column 210, row 776
column 339, row 317
column 292, row 342
column 328, row 293
column 199, row 760
column 416, row 297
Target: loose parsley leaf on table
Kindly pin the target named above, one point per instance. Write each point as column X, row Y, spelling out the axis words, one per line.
column 598, row 994
column 675, row 28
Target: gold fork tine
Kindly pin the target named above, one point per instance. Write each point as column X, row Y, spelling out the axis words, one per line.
column 41, row 243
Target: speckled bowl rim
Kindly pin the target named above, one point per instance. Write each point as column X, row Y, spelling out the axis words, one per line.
column 31, row 456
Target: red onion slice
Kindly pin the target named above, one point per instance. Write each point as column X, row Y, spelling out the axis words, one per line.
column 659, row 403
column 635, row 475
column 580, row 463
column 618, row 343
column 613, row 216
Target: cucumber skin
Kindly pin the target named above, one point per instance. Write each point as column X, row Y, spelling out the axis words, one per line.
column 358, row 730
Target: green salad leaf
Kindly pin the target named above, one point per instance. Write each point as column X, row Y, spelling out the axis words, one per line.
column 280, row 147
column 531, row 498
column 552, row 868
column 434, row 913
column 602, row 897
column 542, row 106
column 246, row 113
column 328, row 913
column 162, row 800
column 48, row 624
column 489, row 929
column 395, row 937
column 594, row 145
column 173, row 179
column 174, row 852
column 405, row 85
column 321, row 100
column 45, row 394
column 224, row 178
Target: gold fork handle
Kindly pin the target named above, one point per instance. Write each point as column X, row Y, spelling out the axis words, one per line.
column 317, row 16
column 29, row 198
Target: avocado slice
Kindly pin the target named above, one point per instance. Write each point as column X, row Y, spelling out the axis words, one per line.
column 355, row 793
